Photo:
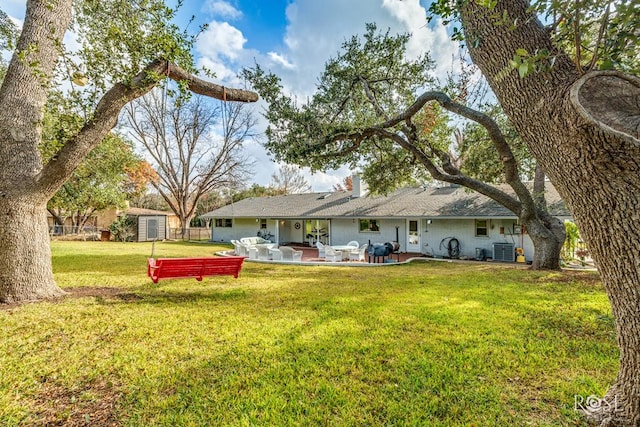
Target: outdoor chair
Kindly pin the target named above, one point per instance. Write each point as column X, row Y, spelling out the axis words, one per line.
column 331, row 255
column 263, row 252
column 239, row 248
column 276, row 254
column 320, row 247
column 359, row 254
column 353, row 243
column 236, row 249
column 290, row 254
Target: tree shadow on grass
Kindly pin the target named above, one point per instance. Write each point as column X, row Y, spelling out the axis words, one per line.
column 112, row 295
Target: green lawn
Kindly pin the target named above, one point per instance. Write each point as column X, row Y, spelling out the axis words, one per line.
column 424, row 344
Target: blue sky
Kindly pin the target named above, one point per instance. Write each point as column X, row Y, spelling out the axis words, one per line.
column 294, row 38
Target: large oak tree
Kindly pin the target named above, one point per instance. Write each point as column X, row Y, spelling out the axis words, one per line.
column 126, row 49
column 582, row 125
column 366, row 113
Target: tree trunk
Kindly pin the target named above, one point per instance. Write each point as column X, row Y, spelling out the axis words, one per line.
column 25, row 255
column 586, row 139
column 548, row 237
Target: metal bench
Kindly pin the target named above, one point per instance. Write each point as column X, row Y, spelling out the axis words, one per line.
column 174, row 268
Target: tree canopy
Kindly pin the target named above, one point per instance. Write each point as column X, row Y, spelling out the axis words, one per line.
column 599, row 35
column 373, row 111
column 289, row 180
column 190, row 161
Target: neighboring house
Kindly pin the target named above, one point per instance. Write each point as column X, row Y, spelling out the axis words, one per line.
column 422, row 220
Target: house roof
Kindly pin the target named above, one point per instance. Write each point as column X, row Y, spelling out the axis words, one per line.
column 409, row 202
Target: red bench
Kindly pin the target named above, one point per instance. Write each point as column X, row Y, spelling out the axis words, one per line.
column 174, row 268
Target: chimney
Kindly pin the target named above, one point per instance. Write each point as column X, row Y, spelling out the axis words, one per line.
column 359, row 187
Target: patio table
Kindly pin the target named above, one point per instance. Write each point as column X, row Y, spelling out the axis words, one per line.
column 345, row 250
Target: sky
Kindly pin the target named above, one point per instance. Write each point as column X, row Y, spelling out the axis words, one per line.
column 294, row 39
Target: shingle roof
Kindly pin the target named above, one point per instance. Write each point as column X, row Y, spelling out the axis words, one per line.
column 419, row 202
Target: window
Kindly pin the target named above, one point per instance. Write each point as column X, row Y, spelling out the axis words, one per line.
column 263, row 224
column 481, row 228
column 369, row 225
column 224, row 223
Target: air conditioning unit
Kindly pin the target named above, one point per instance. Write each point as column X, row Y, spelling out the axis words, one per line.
column 503, row 252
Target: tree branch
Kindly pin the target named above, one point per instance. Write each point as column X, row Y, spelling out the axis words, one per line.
column 454, row 176
column 105, row 116
column 372, row 98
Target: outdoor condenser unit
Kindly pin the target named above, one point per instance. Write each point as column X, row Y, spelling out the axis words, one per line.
column 503, row 252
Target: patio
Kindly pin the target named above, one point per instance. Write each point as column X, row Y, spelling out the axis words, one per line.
column 310, row 256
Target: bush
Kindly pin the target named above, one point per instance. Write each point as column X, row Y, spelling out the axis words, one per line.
column 123, row 228
column 573, row 237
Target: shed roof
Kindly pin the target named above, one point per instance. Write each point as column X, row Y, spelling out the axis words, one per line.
column 145, row 212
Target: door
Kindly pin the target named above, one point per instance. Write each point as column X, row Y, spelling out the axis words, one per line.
column 152, row 229
column 413, row 238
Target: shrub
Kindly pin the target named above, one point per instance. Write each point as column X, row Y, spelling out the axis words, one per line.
column 123, row 228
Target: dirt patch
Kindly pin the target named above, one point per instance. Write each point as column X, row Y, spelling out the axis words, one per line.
column 93, row 404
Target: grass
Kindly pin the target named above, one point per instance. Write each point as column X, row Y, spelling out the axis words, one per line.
column 425, row 344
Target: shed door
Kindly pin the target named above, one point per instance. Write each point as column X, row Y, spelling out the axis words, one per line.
column 152, row 229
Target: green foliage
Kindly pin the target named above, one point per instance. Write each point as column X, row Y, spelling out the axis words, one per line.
column 8, row 33
column 481, row 160
column 256, row 190
column 597, row 34
column 425, row 344
column 571, row 242
column 101, row 181
column 369, row 81
column 123, row 228
column 117, row 39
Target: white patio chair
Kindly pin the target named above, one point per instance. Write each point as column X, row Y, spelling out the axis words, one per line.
column 290, row 254
column 276, row 254
column 236, row 250
column 353, row 243
column 240, row 249
column 359, row 254
column 320, row 247
column 263, row 252
column 331, row 255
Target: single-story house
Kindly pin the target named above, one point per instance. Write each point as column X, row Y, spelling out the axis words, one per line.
column 427, row 220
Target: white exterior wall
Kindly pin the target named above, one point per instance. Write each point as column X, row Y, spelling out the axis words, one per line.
column 464, row 230
column 242, row 227
column 289, row 233
column 345, row 230
column 341, row 231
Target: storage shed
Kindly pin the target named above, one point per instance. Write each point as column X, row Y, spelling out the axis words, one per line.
column 150, row 224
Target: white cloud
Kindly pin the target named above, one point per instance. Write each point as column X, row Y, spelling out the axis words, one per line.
column 280, row 59
column 222, row 9
column 220, row 40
